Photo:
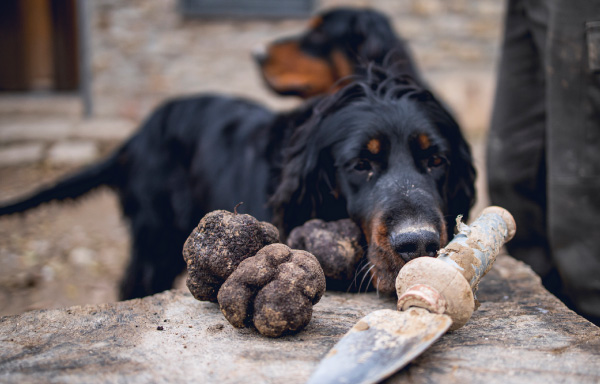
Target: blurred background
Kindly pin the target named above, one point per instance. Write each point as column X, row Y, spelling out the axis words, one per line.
column 77, row 77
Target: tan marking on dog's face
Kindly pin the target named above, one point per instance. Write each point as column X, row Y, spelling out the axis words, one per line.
column 380, row 234
column 424, row 142
column 315, row 22
column 380, row 255
column 342, row 66
column 289, row 70
column 443, row 234
column 374, row 146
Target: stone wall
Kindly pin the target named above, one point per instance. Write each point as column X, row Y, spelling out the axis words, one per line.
column 144, row 51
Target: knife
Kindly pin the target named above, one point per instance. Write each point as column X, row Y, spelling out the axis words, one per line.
column 434, row 295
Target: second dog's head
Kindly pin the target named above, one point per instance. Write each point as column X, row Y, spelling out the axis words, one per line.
column 384, row 152
column 333, row 46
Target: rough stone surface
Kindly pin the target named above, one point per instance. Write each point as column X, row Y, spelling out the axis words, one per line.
column 520, row 334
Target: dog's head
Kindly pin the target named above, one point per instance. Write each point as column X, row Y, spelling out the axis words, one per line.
column 335, row 43
column 384, row 152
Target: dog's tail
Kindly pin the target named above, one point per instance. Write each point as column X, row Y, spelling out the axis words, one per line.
column 103, row 173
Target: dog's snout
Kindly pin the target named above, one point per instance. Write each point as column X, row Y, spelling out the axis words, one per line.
column 415, row 243
column 260, row 53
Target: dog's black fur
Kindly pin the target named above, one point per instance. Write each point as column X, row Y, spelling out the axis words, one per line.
column 382, row 151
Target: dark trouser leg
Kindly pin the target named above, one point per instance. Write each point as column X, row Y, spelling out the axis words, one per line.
column 516, row 146
column 573, row 143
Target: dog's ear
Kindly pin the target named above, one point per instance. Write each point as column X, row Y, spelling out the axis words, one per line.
column 373, row 40
column 372, row 36
column 307, row 188
column 461, row 178
column 461, row 181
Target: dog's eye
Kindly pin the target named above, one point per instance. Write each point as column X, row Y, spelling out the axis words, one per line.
column 435, row 161
column 362, row 165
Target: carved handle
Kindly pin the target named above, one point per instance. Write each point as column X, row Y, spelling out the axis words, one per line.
column 474, row 248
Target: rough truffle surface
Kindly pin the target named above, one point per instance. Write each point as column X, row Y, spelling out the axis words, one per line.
column 274, row 291
column 335, row 244
column 215, row 248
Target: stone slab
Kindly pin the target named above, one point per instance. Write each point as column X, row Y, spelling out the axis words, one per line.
column 520, row 334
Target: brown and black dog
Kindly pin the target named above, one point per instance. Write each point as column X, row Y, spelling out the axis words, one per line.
column 381, row 151
column 336, row 44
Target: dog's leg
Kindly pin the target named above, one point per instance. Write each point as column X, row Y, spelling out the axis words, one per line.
column 155, row 261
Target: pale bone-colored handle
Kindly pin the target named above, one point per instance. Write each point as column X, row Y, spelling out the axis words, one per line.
column 446, row 284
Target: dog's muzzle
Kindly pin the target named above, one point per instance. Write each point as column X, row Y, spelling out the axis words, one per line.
column 415, row 241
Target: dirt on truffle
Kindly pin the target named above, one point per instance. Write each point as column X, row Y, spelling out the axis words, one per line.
column 337, row 246
column 220, row 242
column 274, row 291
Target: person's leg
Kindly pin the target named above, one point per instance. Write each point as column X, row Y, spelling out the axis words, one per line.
column 516, row 145
column 573, row 155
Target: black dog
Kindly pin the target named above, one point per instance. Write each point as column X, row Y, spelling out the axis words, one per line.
column 336, row 44
column 382, row 151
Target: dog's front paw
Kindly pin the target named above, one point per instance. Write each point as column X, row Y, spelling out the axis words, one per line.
column 274, row 291
column 220, row 242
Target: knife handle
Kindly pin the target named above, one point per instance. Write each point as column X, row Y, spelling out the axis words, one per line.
column 446, row 284
column 474, row 248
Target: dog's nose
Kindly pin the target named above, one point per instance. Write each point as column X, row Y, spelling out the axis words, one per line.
column 415, row 243
column 259, row 53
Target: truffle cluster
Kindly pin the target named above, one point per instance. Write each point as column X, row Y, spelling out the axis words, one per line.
column 231, row 258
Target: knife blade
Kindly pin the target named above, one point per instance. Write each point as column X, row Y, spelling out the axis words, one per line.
column 434, row 295
column 380, row 344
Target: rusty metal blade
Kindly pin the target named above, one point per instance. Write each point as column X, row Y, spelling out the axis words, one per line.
column 380, row 344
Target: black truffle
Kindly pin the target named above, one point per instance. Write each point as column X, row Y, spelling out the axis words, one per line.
column 274, row 291
column 215, row 248
column 336, row 244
